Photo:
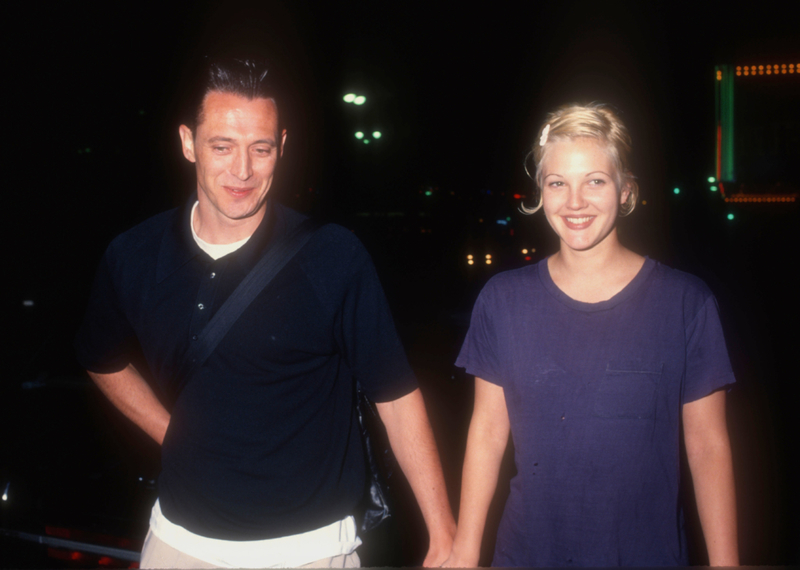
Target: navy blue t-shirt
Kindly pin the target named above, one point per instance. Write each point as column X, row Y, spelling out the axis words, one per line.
column 263, row 440
column 594, row 394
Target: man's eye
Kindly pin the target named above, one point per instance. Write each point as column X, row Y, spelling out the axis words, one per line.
column 263, row 151
column 220, row 148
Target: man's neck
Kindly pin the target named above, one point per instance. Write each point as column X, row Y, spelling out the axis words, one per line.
column 212, row 227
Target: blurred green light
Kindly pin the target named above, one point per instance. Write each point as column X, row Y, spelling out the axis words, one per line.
column 360, row 100
column 428, row 193
column 359, row 135
column 376, row 134
column 730, row 216
column 711, row 179
column 713, row 188
column 349, row 98
column 677, row 190
column 508, row 218
column 365, row 141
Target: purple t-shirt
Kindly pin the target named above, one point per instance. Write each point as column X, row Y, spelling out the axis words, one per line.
column 594, row 394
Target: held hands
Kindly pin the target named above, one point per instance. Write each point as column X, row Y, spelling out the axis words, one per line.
column 465, row 553
column 439, row 549
column 460, row 559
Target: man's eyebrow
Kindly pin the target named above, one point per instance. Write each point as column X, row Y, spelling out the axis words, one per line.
column 218, row 139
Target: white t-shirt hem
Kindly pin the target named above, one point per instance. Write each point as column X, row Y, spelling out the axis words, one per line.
column 285, row 552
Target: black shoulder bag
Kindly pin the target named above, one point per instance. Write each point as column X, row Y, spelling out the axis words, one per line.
column 374, row 507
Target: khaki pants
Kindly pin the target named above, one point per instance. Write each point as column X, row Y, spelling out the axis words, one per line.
column 158, row 554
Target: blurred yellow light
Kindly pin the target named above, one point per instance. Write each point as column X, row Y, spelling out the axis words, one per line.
column 488, row 262
column 469, row 256
column 533, row 250
column 644, row 202
column 525, row 251
column 470, row 262
column 488, row 256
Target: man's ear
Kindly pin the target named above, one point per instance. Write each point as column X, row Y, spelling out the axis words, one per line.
column 187, row 142
column 283, row 141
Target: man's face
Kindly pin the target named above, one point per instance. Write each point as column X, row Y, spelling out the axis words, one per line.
column 235, row 149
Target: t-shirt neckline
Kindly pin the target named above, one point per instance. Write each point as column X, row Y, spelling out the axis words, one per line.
column 627, row 292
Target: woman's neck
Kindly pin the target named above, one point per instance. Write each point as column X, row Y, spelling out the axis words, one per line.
column 594, row 275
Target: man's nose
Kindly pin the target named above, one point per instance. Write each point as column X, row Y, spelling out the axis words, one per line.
column 242, row 166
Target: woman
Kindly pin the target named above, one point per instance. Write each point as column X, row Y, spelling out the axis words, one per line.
column 592, row 360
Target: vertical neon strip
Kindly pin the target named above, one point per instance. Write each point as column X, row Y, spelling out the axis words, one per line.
column 717, row 123
column 728, row 171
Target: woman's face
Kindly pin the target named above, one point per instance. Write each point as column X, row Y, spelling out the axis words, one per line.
column 580, row 197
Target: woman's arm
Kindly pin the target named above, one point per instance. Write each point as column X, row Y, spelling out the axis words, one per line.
column 708, row 448
column 486, row 444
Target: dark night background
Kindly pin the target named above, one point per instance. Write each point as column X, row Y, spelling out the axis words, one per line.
column 92, row 99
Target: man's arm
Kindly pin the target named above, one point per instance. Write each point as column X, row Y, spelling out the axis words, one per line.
column 412, row 442
column 486, row 444
column 132, row 395
column 708, row 449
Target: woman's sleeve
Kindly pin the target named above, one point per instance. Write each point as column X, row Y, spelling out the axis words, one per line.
column 708, row 367
column 479, row 353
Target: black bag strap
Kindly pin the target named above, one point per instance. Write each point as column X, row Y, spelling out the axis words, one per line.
column 254, row 282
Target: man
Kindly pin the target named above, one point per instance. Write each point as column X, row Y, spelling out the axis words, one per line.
column 262, row 461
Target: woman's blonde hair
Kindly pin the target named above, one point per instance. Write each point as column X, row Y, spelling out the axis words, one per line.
column 595, row 121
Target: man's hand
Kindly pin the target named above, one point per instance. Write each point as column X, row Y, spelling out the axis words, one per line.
column 411, row 438
column 132, row 395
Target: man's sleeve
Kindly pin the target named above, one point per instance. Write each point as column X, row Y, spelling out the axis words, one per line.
column 369, row 338
column 105, row 338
